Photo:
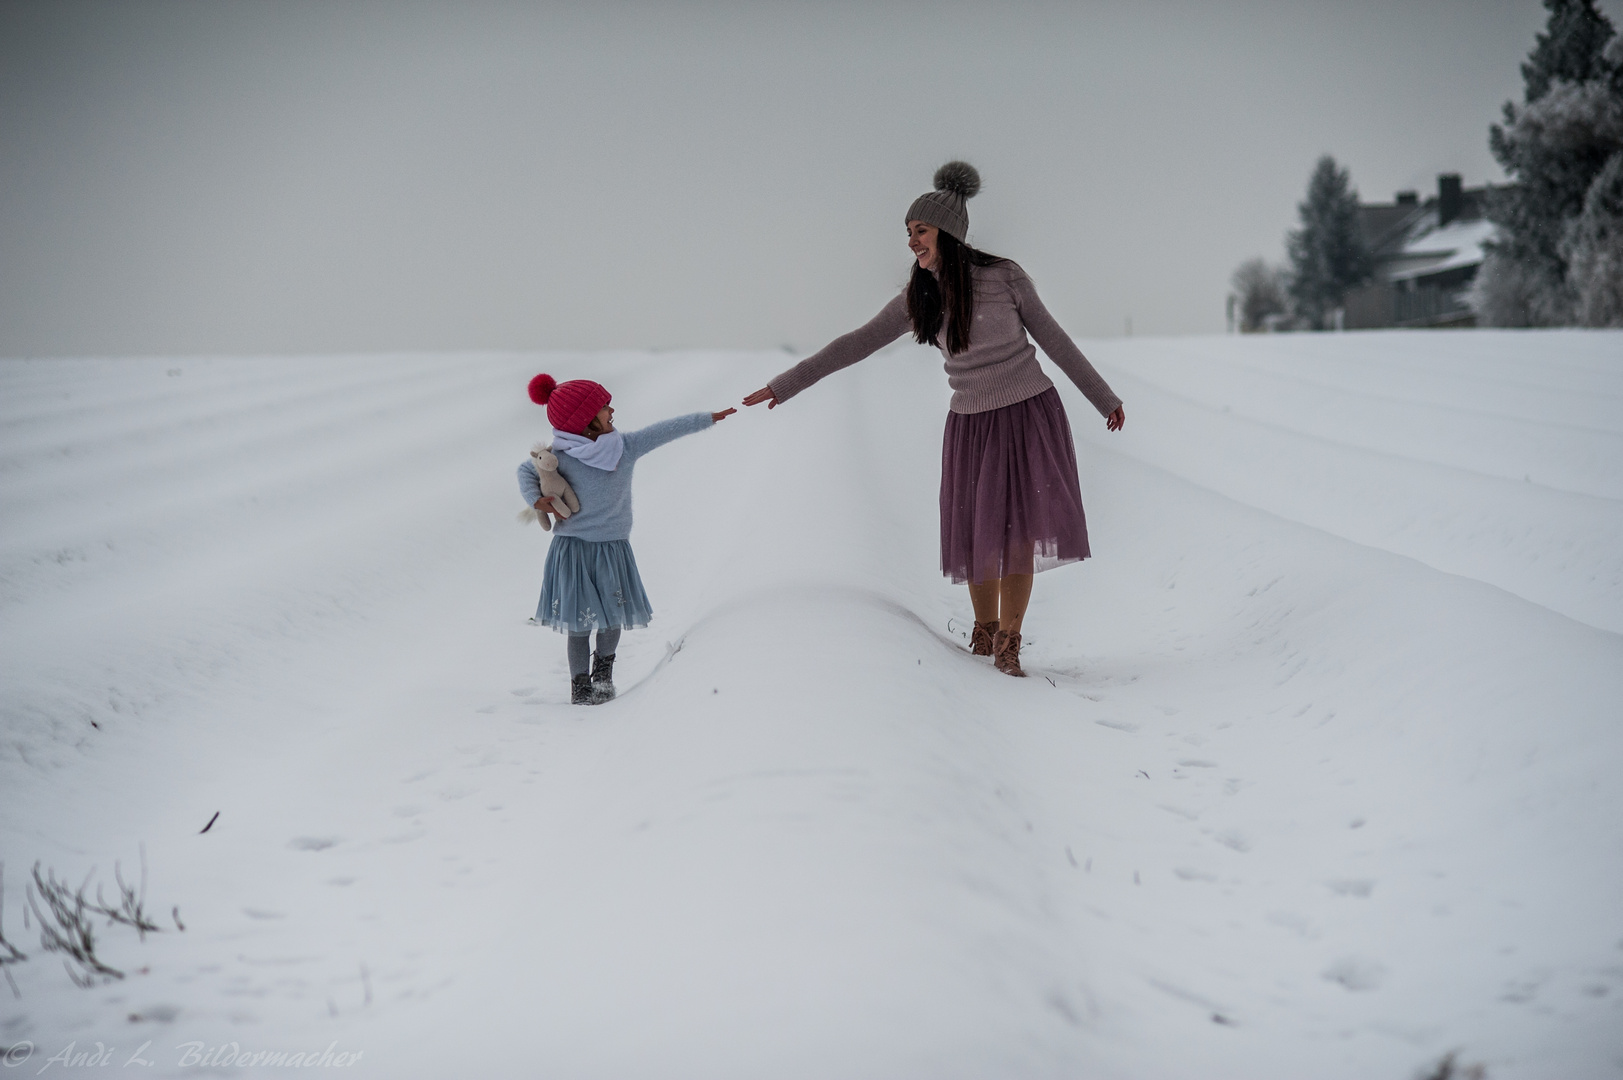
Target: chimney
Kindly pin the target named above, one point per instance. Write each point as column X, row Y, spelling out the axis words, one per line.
column 1408, row 198
column 1449, row 200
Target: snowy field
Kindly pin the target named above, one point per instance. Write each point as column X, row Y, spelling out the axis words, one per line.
column 1319, row 772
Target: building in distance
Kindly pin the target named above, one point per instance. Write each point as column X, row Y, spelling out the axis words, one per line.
column 1426, row 255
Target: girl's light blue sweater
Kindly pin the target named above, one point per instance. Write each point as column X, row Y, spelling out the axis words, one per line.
column 605, row 497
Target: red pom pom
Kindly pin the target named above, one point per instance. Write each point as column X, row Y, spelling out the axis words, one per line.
column 541, row 388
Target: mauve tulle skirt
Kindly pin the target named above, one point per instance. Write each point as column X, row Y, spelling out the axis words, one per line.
column 1010, row 499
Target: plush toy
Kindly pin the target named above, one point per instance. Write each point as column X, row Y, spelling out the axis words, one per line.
column 564, row 502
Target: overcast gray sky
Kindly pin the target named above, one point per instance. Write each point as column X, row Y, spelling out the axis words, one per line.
column 266, row 176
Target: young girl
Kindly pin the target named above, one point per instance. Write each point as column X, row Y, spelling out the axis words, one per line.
column 590, row 581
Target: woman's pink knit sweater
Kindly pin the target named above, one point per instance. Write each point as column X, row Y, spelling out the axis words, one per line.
column 1000, row 366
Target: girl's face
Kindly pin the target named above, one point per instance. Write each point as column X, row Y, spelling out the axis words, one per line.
column 921, row 240
column 602, row 423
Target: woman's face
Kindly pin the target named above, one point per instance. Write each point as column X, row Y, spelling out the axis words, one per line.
column 921, row 239
column 602, row 423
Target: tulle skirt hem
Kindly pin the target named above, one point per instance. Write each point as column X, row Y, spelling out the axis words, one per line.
column 591, row 585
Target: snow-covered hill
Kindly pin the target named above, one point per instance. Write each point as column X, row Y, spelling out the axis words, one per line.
column 1316, row 775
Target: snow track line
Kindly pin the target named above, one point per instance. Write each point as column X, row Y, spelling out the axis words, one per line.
column 1327, row 390
column 1258, row 422
column 1455, row 385
column 1554, row 549
column 270, row 422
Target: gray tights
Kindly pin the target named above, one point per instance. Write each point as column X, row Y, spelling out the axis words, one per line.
column 580, row 653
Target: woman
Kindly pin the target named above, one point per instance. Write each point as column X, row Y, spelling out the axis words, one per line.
column 1011, row 504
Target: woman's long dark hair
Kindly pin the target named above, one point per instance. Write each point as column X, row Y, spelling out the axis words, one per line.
column 948, row 295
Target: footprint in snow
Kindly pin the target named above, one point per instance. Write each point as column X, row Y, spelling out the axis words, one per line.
column 1352, row 887
column 1356, row 974
column 1519, row 991
column 1184, row 873
column 1235, row 841
column 1118, row 725
column 1289, row 920
column 155, row 1014
column 312, row 843
column 256, row 913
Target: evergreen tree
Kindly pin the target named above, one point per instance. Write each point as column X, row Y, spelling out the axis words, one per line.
column 1594, row 249
column 1555, row 146
column 1327, row 254
column 1571, row 49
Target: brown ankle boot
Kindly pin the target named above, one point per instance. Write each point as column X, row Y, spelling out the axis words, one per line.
column 1006, row 653
column 980, row 639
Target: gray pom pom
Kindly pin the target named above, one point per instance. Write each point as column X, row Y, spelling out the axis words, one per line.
column 958, row 177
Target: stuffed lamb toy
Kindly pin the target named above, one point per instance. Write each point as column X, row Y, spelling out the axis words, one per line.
column 563, row 497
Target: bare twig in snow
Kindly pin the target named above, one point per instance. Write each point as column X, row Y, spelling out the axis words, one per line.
column 67, row 929
column 131, row 910
column 9, row 953
column 1449, row 1069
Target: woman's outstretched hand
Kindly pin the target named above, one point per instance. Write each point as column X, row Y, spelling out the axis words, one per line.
column 718, row 417
column 763, row 394
column 1116, row 419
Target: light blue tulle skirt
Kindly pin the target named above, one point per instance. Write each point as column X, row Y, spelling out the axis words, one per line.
column 592, row 585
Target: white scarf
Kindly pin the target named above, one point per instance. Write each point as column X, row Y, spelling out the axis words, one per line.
column 600, row 453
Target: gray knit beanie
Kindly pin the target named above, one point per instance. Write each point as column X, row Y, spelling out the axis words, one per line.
column 946, row 207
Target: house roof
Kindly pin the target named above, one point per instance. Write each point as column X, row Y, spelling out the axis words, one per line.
column 1431, row 249
column 1407, row 242
column 1381, row 222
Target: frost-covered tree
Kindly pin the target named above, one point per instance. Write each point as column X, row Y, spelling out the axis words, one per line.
column 1555, row 146
column 1593, row 247
column 1327, row 254
column 1259, row 291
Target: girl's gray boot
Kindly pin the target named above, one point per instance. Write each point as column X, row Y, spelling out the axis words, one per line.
column 602, row 679
column 580, row 690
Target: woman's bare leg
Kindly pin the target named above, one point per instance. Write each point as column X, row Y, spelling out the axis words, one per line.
column 1014, row 593
column 1003, row 599
column 983, row 596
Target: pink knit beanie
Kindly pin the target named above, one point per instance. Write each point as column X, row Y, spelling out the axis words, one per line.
column 570, row 405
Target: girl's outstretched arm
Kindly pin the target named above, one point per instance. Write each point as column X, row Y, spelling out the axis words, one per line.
column 654, row 436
